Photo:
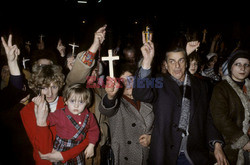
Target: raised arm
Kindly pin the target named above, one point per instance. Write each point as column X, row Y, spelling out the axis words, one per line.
column 12, row 53
column 213, row 44
column 85, row 60
column 108, row 105
column 192, row 46
column 144, row 72
column 61, row 48
column 148, row 52
column 16, row 82
column 61, row 59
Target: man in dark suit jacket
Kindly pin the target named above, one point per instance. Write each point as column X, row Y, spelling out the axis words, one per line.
column 183, row 128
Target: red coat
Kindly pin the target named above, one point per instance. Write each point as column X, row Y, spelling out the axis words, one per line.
column 66, row 130
column 42, row 138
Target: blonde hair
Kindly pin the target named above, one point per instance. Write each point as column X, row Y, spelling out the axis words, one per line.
column 78, row 89
column 43, row 76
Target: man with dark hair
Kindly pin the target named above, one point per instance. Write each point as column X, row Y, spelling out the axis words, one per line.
column 183, row 128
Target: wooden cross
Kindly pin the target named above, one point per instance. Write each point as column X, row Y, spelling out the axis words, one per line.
column 24, row 60
column 110, row 58
column 73, row 48
column 41, row 37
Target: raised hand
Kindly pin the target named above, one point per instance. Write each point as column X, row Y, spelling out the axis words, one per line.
column 98, row 39
column 216, row 37
column 12, row 51
column 148, row 52
column 204, row 36
column 70, row 62
column 40, row 45
column 61, row 48
column 100, row 34
column 192, row 46
column 214, row 45
column 112, row 87
column 41, row 110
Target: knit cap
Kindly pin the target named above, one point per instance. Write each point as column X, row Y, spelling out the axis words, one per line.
column 235, row 55
column 210, row 55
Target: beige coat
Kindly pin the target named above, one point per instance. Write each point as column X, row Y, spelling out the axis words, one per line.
column 79, row 74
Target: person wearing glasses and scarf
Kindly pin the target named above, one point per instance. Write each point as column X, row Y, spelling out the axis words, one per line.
column 230, row 108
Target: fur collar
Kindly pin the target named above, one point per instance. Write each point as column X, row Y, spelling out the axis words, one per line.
column 244, row 99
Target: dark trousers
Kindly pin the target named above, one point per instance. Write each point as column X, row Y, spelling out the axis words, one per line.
column 182, row 160
column 246, row 158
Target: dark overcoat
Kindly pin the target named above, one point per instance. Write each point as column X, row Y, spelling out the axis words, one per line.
column 166, row 137
column 230, row 111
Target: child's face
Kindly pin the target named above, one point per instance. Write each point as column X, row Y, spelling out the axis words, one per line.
column 193, row 66
column 76, row 104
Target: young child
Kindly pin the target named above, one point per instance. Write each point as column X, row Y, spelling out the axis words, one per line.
column 73, row 122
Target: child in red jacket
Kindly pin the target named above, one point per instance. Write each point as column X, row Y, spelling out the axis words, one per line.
column 73, row 122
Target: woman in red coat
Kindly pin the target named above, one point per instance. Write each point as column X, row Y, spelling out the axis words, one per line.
column 46, row 80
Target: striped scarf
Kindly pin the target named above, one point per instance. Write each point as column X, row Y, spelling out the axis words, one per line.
column 185, row 106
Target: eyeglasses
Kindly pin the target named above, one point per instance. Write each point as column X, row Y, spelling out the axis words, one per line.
column 239, row 65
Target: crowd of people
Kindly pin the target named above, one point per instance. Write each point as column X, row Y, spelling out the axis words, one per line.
column 63, row 107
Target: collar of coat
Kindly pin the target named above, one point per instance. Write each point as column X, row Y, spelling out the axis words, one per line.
column 244, row 99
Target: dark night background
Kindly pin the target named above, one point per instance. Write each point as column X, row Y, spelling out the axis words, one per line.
column 55, row 19
column 27, row 19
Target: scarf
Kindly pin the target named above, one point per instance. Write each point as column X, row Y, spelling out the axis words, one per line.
column 185, row 105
